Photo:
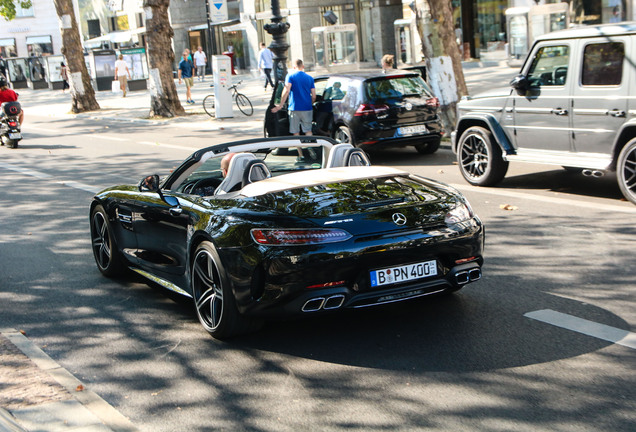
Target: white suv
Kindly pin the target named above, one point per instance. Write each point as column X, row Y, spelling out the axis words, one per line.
column 573, row 105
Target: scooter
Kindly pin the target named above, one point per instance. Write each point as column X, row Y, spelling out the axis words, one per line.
column 10, row 133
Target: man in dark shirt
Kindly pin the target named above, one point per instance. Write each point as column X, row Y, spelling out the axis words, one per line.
column 185, row 72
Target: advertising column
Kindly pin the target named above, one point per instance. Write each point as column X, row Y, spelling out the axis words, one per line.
column 222, row 70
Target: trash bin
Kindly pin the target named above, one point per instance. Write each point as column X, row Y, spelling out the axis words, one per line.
column 231, row 56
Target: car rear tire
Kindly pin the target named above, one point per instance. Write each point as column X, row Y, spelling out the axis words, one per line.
column 479, row 157
column 428, row 147
column 626, row 170
column 214, row 301
column 344, row 135
column 107, row 257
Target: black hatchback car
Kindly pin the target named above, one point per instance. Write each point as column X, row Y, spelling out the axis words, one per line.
column 370, row 110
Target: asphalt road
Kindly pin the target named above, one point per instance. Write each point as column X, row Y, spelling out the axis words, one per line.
column 493, row 357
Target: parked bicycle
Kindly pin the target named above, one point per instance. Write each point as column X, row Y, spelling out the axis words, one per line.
column 242, row 102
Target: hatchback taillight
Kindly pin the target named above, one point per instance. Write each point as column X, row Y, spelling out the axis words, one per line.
column 365, row 109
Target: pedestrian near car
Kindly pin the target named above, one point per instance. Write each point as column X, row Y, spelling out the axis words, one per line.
column 299, row 87
column 200, row 61
column 122, row 74
column 387, row 63
column 185, row 72
column 265, row 64
column 64, row 75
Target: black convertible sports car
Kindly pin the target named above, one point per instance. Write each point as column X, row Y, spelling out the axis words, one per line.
column 299, row 225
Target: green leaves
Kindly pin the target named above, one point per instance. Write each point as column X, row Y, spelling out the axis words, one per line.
column 8, row 7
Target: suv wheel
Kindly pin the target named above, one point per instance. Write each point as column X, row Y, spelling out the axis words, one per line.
column 626, row 170
column 344, row 135
column 479, row 157
column 428, row 148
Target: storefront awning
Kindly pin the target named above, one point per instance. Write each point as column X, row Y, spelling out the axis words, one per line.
column 235, row 27
column 7, row 42
column 114, row 37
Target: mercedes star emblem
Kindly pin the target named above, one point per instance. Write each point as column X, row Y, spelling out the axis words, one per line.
column 399, row 218
column 408, row 106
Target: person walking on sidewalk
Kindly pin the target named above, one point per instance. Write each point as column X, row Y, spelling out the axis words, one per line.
column 185, row 72
column 122, row 74
column 265, row 64
column 301, row 90
column 64, row 75
column 200, row 61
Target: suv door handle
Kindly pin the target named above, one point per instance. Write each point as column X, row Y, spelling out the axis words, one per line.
column 616, row 113
column 559, row 111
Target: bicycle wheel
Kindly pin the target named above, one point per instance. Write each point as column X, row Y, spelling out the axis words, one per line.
column 244, row 104
column 208, row 105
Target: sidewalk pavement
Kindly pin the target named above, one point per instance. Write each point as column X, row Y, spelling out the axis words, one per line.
column 38, row 395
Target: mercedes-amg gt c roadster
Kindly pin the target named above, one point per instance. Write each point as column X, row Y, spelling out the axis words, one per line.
column 294, row 226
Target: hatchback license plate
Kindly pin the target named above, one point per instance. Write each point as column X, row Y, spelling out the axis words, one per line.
column 412, row 130
column 15, row 135
column 403, row 273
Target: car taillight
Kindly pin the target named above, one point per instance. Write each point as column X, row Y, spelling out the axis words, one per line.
column 286, row 237
column 13, row 123
column 365, row 109
column 432, row 102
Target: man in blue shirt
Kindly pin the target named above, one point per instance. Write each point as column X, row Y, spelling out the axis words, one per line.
column 185, row 72
column 300, row 88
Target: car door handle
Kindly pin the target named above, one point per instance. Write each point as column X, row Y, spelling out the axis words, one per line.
column 559, row 111
column 616, row 113
column 176, row 211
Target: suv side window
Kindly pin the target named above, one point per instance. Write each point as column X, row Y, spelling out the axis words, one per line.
column 603, row 64
column 550, row 66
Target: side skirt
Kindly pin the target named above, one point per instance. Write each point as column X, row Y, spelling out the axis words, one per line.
column 164, row 283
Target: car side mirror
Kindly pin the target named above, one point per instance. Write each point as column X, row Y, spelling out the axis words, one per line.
column 520, row 83
column 149, row 184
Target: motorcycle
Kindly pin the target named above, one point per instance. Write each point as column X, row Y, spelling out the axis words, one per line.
column 10, row 133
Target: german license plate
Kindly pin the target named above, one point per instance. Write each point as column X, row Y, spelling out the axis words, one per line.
column 412, row 130
column 403, row 273
column 16, row 135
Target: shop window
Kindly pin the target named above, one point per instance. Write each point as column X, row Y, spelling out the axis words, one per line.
column 39, row 45
column 7, row 48
column 94, row 29
column 603, row 64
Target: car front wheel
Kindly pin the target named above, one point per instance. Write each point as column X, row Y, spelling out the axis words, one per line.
column 107, row 257
column 479, row 157
column 626, row 170
column 213, row 299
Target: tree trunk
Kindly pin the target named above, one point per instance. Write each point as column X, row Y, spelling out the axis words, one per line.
column 164, row 100
column 82, row 92
column 443, row 58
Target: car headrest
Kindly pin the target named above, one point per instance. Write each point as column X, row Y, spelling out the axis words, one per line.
column 255, row 170
column 235, row 172
column 356, row 157
column 336, row 155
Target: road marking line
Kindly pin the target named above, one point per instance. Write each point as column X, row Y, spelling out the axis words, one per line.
column 158, row 144
column 44, row 176
column 110, row 138
column 546, row 199
column 583, row 326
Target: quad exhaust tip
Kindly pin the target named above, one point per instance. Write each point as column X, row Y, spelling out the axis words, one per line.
column 324, row 303
column 463, row 277
column 593, row 173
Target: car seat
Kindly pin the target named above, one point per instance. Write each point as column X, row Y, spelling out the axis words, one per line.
column 255, row 170
column 234, row 179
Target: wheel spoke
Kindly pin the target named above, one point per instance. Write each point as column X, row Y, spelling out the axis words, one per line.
column 208, row 293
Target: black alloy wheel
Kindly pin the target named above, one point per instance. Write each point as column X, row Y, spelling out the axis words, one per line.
column 108, row 260
column 244, row 104
column 626, row 170
column 208, row 105
column 213, row 300
column 479, row 157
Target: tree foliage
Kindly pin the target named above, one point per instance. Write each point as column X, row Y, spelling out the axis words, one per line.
column 7, row 7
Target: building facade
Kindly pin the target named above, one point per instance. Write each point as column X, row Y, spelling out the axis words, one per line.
column 34, row 32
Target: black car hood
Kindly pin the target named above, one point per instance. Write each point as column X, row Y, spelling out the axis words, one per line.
column 367, row 205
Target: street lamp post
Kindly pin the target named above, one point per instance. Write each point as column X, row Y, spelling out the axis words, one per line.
column 279, row 46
